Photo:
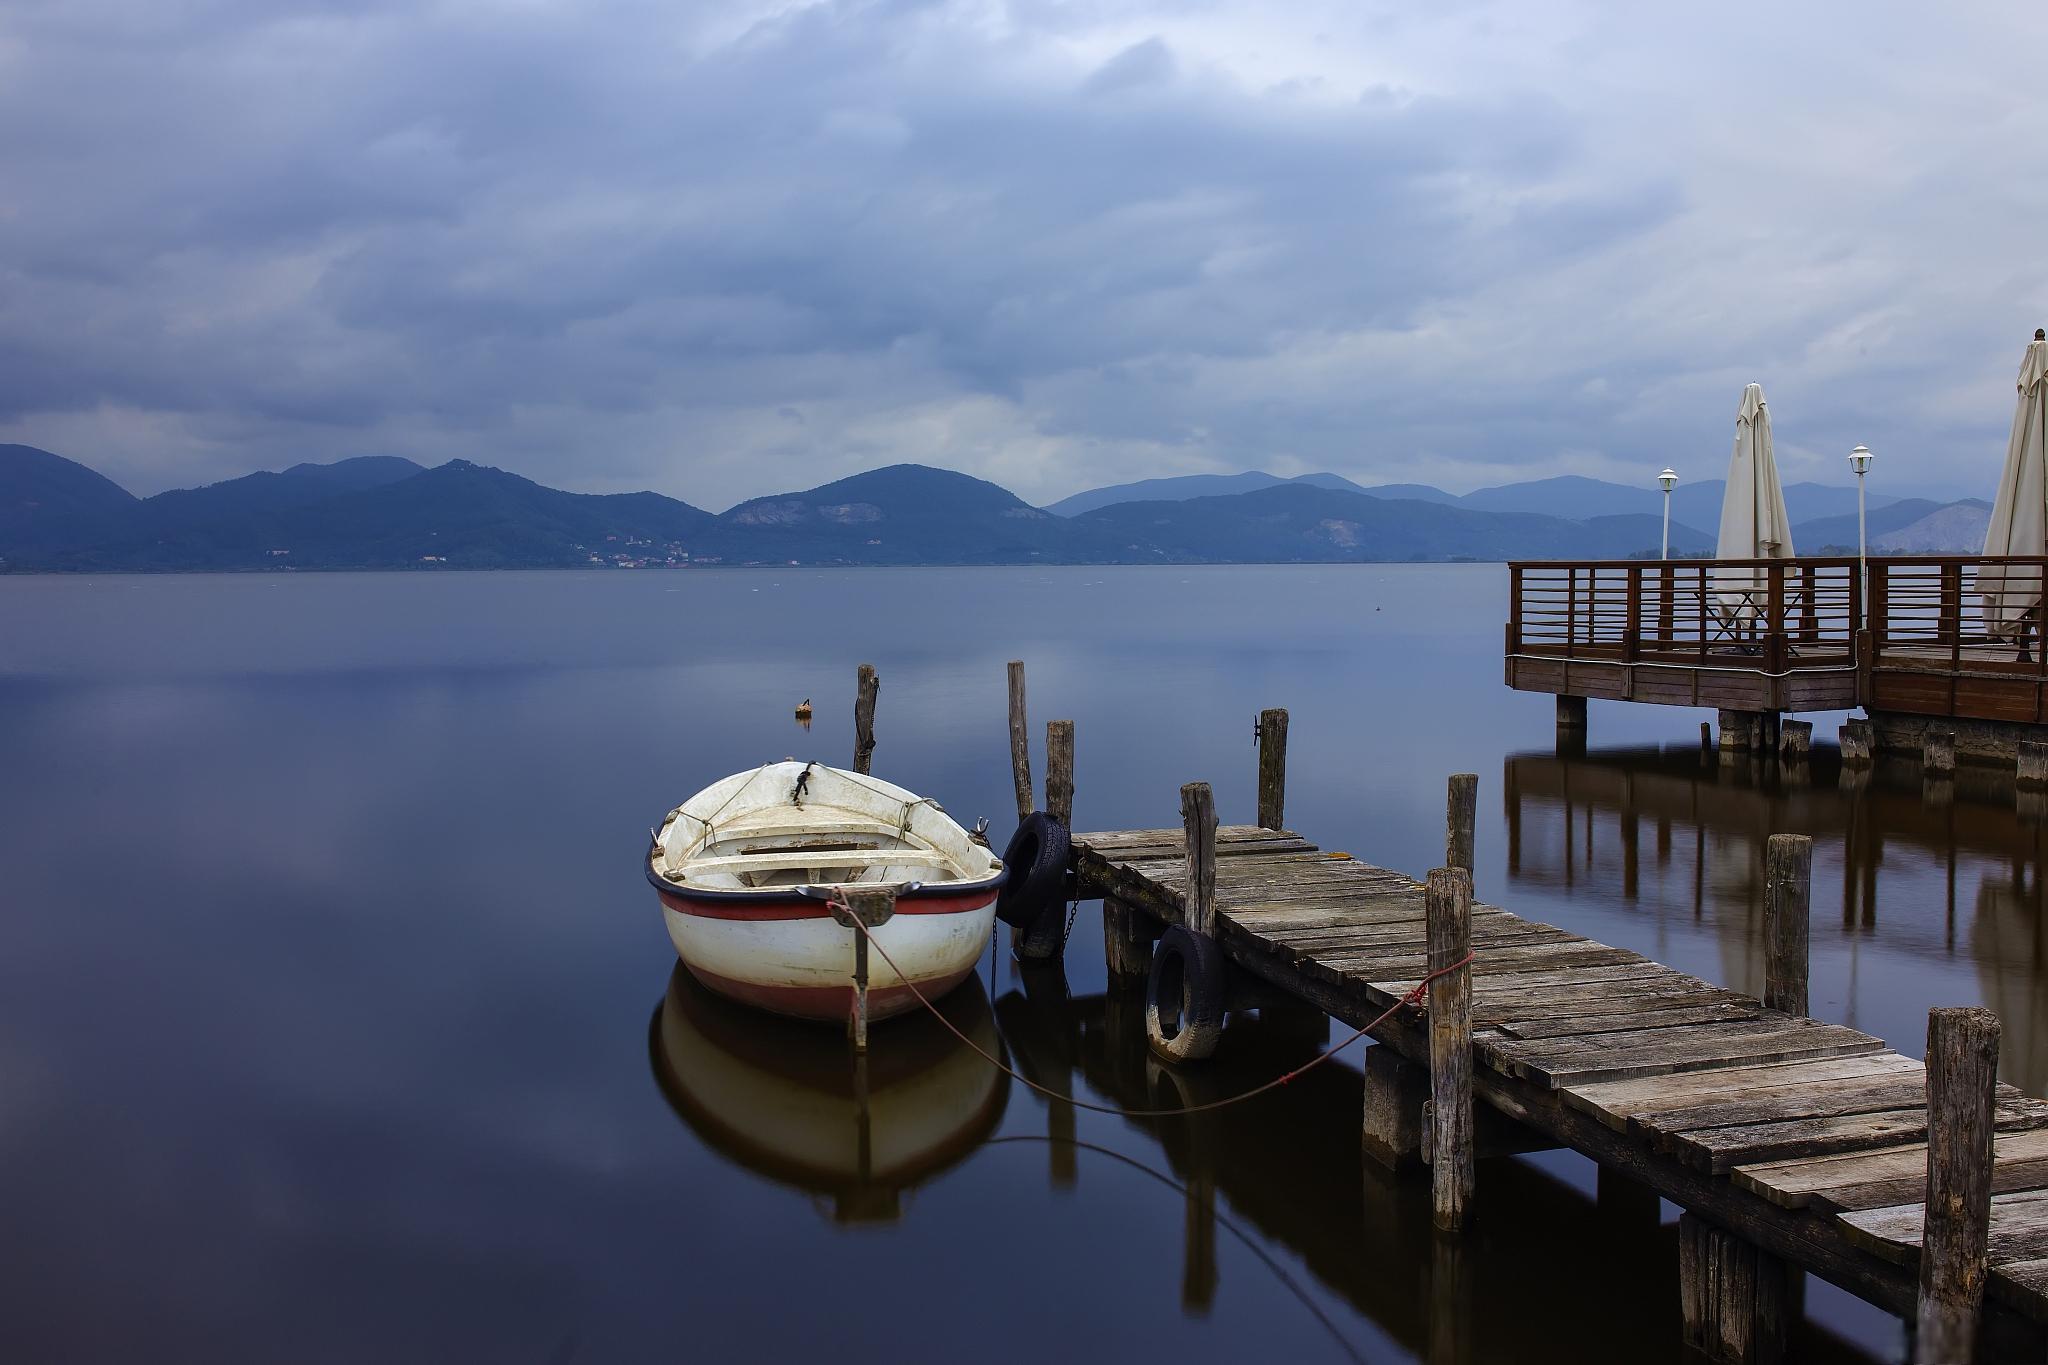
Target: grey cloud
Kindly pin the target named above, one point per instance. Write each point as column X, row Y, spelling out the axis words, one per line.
column 623, row 245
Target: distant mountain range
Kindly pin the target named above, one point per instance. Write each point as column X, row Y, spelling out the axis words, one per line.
column 381, row 512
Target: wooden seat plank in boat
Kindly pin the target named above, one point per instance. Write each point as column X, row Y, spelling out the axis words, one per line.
column 817, row 857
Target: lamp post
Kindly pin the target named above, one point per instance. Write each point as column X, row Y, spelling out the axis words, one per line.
column 1859, row 460
column 1669, row 479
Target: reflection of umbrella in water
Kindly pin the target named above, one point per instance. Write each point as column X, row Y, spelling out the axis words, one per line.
column 789, row 1100
column 2019, row 516
column 1754, row 524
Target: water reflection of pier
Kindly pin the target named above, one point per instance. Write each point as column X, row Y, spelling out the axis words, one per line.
column 1284, row 1171
column 1695, row 825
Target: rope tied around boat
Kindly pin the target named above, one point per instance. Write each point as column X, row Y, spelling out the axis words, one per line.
column 1413, row 997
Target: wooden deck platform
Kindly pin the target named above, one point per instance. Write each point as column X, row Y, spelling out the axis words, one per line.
column 1804, row 1138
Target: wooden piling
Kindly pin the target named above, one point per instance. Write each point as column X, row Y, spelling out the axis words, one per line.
column 1788, row 895
column 1059, row 771
column 1395, row 1091
column 1461, row 805
column 1045, row 939
column 1795, row 740
column 1962, row 1074
column 1448, row 909
column 860, row 992
column 2031, row 771
column 1938, row 750
column 1272, row 767
column 864, row 718
column 1126, row 949
column 1857, row 743
column 1706, row 737
column 1571, row 714
column 1020, row 741
column 1736, row 1301
column 872, row 907
column 1198, row 823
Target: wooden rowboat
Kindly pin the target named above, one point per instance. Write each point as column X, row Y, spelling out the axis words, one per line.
column 746, row 868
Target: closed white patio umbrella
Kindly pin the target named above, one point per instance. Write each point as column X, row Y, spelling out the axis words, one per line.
column 2019, row 516
column 1753, row 520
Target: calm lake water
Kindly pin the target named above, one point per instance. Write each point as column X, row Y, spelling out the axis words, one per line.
column 338, row 1023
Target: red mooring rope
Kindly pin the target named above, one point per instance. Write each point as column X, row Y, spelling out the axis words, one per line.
column 1413, row 997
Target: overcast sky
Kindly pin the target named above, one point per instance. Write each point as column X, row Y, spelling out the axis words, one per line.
column 727, row 250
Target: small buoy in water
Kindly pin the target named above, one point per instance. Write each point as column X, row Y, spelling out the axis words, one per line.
column 803, row 709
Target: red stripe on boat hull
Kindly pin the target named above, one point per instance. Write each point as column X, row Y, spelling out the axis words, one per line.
column 806, row 907
column 833, row 1003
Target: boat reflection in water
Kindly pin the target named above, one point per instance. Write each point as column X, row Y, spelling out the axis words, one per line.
column 789, row 1100
column 1925, row 892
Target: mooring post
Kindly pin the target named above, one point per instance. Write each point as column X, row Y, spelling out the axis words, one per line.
column 1447, row 900
column 1788, row 895
column 872, row 907
column 1059, row 771
column 1962, row 1076
column 864, row 718
column 1020, row 741
column 1198, row 822
column 1706, row 737
column 1045, row 940
column 1461, row 804
column 1272, row 737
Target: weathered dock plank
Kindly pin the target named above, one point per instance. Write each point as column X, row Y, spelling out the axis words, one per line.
column 1781, row 1128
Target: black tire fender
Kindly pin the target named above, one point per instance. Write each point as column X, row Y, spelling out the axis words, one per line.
column 1037, row 861
column 1185, row 993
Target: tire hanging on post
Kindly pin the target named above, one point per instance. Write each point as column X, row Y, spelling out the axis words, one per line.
column 1186, row 992
column 1037, row 861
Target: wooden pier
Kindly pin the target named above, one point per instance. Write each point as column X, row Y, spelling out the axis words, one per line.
column 1780, row 1135
column 1756, row 638
column 1791, row 1145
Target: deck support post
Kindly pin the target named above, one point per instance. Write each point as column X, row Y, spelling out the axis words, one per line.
column 2031, row 770
column 1272, row 737
column 1795, row 741
column 1857, row 743
column 864, row 718
column 872, row 907
column 1962, row 1076
column 1788, row 895
column 1739, row 730
column 1020, row 741
column 1938, row 750
column 1395, row 1089
column 1571, row 715
column 1447, row 900
column 1461, row 804
column 1126, row 948
column 1736, row 1300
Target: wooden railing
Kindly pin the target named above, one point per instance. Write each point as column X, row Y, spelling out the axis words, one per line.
column 1957, row 635
column 1772, row 616
column 1940, row 635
